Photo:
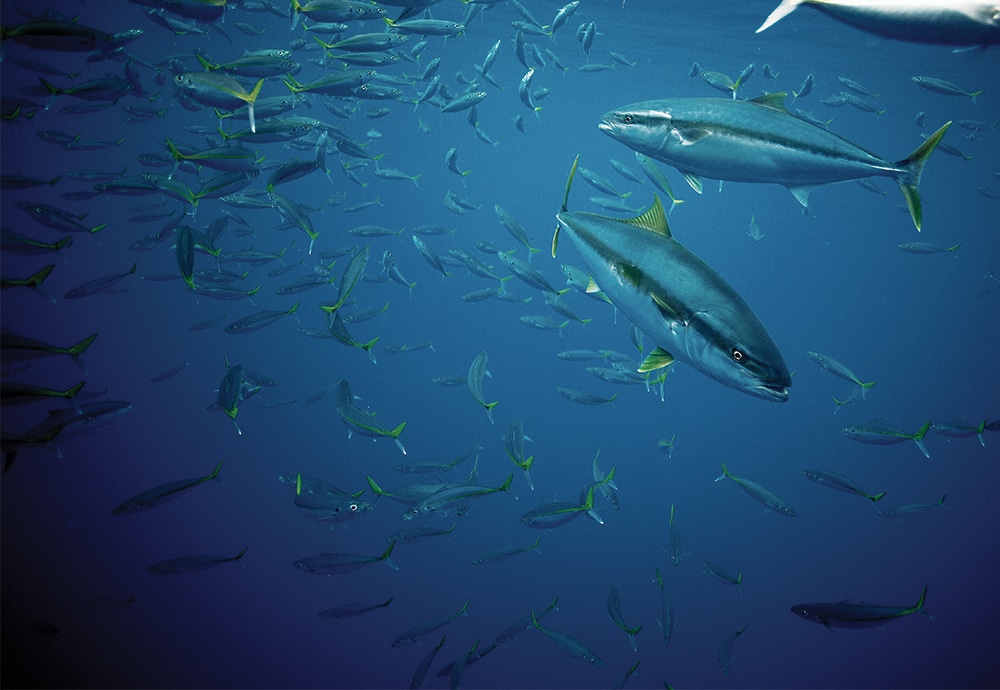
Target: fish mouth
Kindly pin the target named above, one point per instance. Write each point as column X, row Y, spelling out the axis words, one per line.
column 605, row 126
column 772, row 391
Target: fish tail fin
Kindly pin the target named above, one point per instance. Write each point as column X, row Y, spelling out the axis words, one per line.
column 215, row 472
column 206, row 63
column 174, row 151
column 865, row 387
column 376, row 489
column 918, row 438
column 240, row 554
column 489, row 409
column 296, row 9
column 725, row 473
column 36, row 279
column 877, row 497
column 465, row 609
column 385, row 556
column 920, row 601
column 569, row 184
column 81, row 346
column 398, row 430
column 781, row 11
column 251, row 99
column 974, row 94
column 506, row 485
column 70, row 394
column 942, row 503
column 913, row 164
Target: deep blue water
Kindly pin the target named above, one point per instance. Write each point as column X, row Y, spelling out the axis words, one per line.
column 79, row 608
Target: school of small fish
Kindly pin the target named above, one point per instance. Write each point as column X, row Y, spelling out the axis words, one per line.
column 233, row 136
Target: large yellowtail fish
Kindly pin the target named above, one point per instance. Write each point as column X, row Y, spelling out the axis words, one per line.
column 677, row 300
column 757, row 141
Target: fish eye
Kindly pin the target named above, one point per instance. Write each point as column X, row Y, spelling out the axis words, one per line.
column 627, row 119
column 737, row 355
column 354, row 507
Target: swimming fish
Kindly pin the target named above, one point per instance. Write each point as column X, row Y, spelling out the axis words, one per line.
column 757, row 141
column 677, row 300
column 843, row 614
column 941, row 22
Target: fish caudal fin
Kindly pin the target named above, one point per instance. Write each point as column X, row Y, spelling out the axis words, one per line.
column 569, row 185
column 865, row 387
column 920, row 603
column 918, row 438
column 385, row 556
column 914, row 167
column 781, row 11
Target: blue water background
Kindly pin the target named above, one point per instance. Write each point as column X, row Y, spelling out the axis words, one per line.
column 832, row 280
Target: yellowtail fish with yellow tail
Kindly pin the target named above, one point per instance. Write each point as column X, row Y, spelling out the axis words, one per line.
column 477, row 370
column 219, row 91
column 676, row 300
column 757, row 141
column 843, row 614
column 163, row 493
column 878, row 432
column 339, row 563
column 759, row 493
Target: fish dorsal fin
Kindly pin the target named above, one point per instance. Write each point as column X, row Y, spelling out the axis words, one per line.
column 774, row 101
column 654, row 219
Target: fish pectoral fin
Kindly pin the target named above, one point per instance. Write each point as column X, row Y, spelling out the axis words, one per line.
column 692, row 135
column 693, row 180
column 801, row 193
column 667, row 311
column 657, row 359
